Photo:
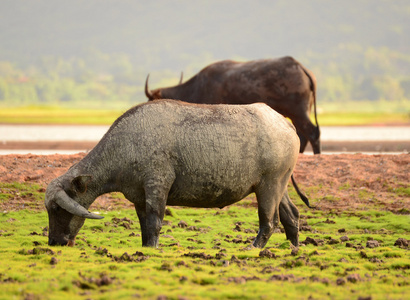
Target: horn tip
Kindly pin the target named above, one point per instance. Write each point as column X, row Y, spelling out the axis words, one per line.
column 94, row 216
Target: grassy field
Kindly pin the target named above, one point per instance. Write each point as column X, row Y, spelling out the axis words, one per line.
column 362, row 118
column 351, row 113
column 206, row 254
column 58, row 115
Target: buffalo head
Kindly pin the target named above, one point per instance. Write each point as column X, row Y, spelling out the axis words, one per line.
column 157, row 94
column 66, row 214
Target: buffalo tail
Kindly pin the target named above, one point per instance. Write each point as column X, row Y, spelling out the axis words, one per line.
column 301, row 195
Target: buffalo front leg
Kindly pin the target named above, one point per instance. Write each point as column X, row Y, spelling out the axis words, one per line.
column 289, row 217
column 151, row 218
column 154, row 217
column 151, row 223
column 142, row 216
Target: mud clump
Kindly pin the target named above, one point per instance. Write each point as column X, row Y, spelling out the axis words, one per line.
column 102, row 251
column 238, row 239
column 376, row 260
column 89, row 283
column 239, row 262
column 201, row 255
column 317, row 279
column 353, row 278
column 182, row 263
column 305, row 228
column 267, row 253
column 269, row 269
column 340, row 281
column 125, row 257
column 402, row 243
column 238, row 226
column 315, row 242
column 372, row 244
column 363, row 254
column 344, row 238
column 37, row 251
column 333, row 242
column 182, row 224
column 166, row 267
column 53, row 261
column 220, row 255
column 282, row 277
column 242, row 279
column 136, row 257
column 124, row 222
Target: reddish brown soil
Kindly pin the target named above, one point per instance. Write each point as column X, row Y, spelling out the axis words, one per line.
column 336, row 182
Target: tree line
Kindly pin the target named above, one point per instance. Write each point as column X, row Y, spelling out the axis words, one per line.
column 346, row 73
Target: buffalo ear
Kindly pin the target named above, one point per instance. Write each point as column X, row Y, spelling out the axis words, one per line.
column 80, row 183
column 157, row 94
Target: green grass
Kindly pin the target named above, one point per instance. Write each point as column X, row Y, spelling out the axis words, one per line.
column 31, row 191
column 362, row 118
column 329, row 114
column 208, row 259
column 58, row 115
column 346, row 113
column 401, row 191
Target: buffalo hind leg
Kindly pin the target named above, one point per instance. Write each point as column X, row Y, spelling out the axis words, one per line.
column 305, row 127
column 303, row 142
column 315, row 140
column 289, row 217
column 268, row 212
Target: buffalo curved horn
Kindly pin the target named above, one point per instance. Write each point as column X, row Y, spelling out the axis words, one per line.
column 65, row 202
column 147, row 92
column 180, row 80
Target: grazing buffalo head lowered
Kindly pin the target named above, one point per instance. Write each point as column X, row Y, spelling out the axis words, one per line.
column 66, row 214
column 284, row 84
column 170, row 152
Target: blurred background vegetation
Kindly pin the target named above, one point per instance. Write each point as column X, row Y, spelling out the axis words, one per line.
column 97, row 53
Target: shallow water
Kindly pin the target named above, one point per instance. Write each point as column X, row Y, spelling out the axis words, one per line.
column 75, row 133
column 95, row 133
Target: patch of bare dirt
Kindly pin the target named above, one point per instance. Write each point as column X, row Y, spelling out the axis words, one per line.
column 356, row 181
column 334, row 182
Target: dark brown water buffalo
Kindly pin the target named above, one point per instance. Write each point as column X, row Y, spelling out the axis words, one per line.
column 283, row 83
column 170, row 152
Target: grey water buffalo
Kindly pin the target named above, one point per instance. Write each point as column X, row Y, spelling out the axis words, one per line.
column 284, row 84
column 170, row 152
